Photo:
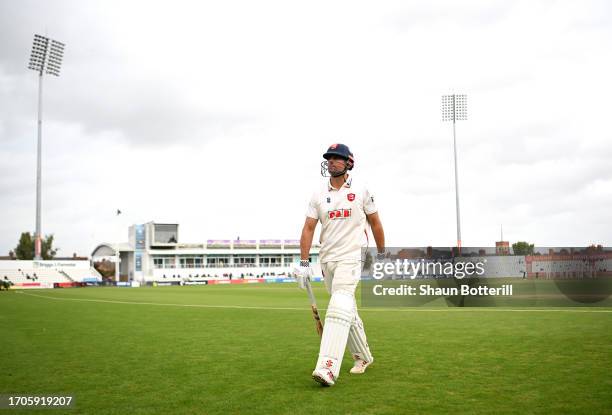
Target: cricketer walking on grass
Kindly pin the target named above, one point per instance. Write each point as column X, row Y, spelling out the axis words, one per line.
column 345, row 208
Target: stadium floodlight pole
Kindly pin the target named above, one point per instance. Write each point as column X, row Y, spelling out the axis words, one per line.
column 454, row 108
column 46, row 58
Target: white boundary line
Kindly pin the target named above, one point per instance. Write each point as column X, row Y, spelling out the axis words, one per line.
column 239, row 307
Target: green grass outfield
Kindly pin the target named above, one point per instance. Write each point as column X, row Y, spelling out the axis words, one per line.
column 251, row 349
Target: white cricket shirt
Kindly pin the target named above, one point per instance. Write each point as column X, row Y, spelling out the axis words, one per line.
column 342, row 213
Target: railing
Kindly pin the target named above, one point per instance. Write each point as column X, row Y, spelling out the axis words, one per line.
column 65, row 275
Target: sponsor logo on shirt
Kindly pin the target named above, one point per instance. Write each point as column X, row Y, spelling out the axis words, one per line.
column 339, row 214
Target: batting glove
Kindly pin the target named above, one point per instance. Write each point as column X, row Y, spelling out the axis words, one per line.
column 381, row 256
column 303, row 272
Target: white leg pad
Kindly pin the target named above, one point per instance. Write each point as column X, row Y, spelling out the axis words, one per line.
column 357, row 341
column 338, row 318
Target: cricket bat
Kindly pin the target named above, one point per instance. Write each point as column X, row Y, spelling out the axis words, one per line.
column 315, row 312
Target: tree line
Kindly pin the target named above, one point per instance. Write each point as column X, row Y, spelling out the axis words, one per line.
column 25, row 248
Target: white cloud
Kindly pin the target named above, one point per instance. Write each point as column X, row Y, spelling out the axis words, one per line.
column 215, row 115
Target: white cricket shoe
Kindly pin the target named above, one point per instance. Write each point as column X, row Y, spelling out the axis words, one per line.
column 324, row 376
column 360, row 366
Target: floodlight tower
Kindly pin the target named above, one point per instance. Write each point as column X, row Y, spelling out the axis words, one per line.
column 454, row 108
column 46, row 58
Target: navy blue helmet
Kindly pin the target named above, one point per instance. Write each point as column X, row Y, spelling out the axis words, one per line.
column 342, row 151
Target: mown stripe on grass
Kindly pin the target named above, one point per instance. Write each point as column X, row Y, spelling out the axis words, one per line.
column 451, row 309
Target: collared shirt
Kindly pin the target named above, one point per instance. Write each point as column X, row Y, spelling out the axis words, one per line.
column 342, row 213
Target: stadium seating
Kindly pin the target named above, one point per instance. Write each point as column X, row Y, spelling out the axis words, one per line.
column 46, row 274
column 81, row 274
column 221, row 274
column 558, row 268
column 33, row 276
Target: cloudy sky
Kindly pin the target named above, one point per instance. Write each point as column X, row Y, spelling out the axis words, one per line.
column 214, row 115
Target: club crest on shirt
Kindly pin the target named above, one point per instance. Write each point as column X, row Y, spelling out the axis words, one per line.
column 350, row 197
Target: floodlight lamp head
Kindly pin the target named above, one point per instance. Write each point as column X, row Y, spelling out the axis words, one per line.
column 454, row 107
